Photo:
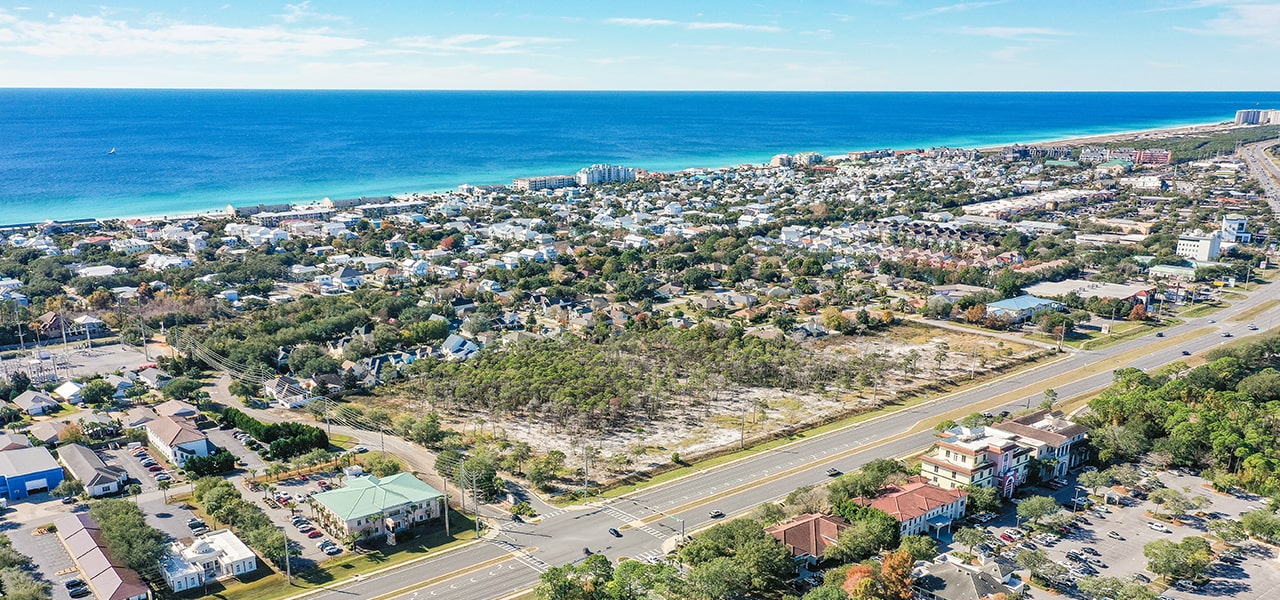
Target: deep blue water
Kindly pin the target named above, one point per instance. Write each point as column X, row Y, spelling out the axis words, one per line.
column 186, row 151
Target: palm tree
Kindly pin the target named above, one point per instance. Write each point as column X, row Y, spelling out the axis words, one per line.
column 164, row 487
column 350, row 539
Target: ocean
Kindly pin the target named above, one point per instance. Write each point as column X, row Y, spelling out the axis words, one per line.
column 186, row 151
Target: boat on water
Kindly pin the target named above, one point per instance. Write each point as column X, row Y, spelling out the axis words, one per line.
column 111, row 151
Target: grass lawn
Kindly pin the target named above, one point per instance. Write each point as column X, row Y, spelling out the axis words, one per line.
column 1248, row 315
column 1202, row 310
column 268, row 582
column 345, row 442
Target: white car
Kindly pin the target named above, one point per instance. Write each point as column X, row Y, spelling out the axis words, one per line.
column 1158, row 527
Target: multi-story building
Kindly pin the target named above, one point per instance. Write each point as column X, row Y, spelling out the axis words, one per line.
column 806, row 158
column 1255, row 116
column 215, row 555
column 1153, row 156
column 973, row 457
column 177, row 439
column 545, row 182
column 1056, row 443
column 1235, row 228
column 605, row 174
column 920, row 506
column 780, row 160
column 1198, row 245
column 370, row 506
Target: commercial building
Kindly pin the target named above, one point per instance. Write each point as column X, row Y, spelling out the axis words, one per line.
column 1093, row 289
column 808, row 535
column 920, row 506
column 1198, row 245
column 177, row 439
column 1020, row 308
column 1235, row 228
column 108, row 578
column 216, row 555
column 1058, row 444
column 953, row 581
column 370, row 506
column 974, row 457
column 26, row 471
column 87, row 467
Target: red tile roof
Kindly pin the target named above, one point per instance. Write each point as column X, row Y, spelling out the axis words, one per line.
column 808, row 534
column 917, row 497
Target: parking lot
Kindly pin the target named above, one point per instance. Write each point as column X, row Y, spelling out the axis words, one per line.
column 224, row 438
column 281, row 516
column 138, row 473
column 48, row 555
column 1256, row 578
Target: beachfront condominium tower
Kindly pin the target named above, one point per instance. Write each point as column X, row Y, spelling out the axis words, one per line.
column 605, row 174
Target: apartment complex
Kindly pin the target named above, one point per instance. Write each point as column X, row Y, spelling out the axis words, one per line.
column 545, row 182
column 605, row 174
column 1258, row 117
column 975, row 457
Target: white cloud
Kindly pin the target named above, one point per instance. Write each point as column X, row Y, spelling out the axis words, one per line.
column 1243, row 19
column 302, row 11
column 97, row 36
column 1013, row 33
column 476, row 43
column 696, row 25
column 960, row 7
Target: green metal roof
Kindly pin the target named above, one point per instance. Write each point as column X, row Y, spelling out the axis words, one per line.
column 365, row 496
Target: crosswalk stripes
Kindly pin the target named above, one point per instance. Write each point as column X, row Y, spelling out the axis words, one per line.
column 521, row 555
column 552, row 513
column 623, row 516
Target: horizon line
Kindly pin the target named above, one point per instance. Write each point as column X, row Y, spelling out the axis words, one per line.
column 638, row 90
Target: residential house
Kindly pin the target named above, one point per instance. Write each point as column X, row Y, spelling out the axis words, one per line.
column 87, row 467
column 287, row 391
column 69, row 391
column 26, row 471
column 121, row 384
column 35, row 403
column 177, row 408
column 456, row 347
column 177, row 439
column 370, row 506
column 808, row 535
column 920, row 506
column 47, row 432
column 13, row 441
column 154, row 378
column 215, row 555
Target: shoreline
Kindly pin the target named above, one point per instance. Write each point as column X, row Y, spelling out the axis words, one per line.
column 1070, row 141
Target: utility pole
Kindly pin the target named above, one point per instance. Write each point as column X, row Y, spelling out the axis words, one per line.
column 288, row 572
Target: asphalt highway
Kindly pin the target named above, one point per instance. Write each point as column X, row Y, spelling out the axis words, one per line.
column 511, row 561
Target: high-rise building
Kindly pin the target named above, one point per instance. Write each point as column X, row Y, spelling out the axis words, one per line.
column 605, row 174
column 780, row 160
column 1255, row 116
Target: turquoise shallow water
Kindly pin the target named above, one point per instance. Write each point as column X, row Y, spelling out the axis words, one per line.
column 183, row 151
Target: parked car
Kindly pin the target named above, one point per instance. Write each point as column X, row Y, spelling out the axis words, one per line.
column 359, row 449
column 304, row 528
column 1006, row 537
column 1141, row 578
column 1115, row 535
column 1158, row 527
column 79, row 592
column 155, row 468
column 315, row 533
column 200, row 530
column 73, row 583
column 333, row 550
column 324, row 485
column 163, row 477
column 193, row 523
column 1090, row 551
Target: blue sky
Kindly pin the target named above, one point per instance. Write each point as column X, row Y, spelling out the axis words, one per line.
column 653, row 45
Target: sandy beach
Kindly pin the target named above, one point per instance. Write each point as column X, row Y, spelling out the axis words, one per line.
column 1137, row 134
